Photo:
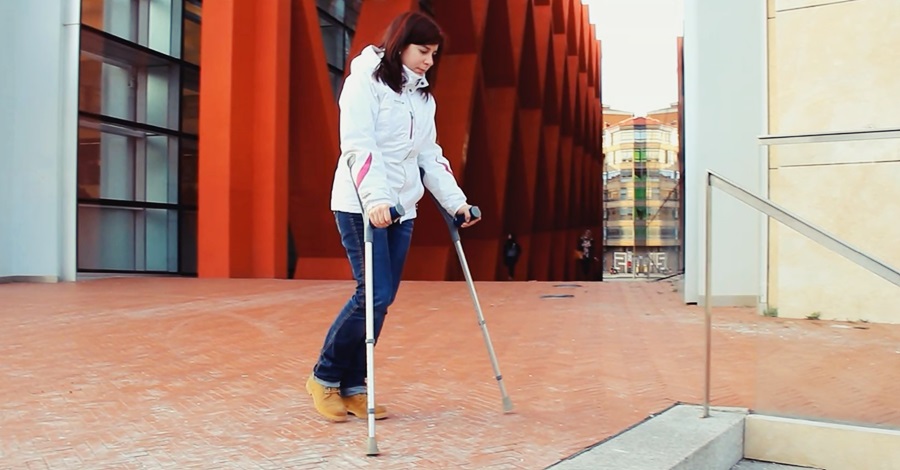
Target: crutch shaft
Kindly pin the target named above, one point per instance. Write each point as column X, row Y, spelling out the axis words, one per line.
column 453, row 223
column 507, row 402
column 372, row 445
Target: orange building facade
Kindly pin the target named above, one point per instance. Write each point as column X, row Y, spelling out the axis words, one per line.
column 519, row 118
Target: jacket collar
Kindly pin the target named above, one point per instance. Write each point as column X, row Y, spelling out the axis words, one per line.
column 413, row 81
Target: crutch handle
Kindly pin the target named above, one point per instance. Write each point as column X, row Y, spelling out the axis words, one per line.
column 397, row 212
column 461, row 218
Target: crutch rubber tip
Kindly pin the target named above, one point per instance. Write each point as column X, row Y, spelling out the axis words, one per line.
column 507, row 404
column 372, row 447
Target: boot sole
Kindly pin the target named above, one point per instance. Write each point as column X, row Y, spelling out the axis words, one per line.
column 366, row 415
column 333, row 419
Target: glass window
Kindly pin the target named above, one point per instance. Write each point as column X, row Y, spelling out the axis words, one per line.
column 187, row 242
column 337, row 20
column 188, row 173
column 107, row 88
column 154, row 24
column 190, row 102
column 640, row 155
column 618, row 233
column 640, row 213
column 117, row 17
column 333, row 35
column 126, row 239
column 163, row 26
column 127, row 83
column 105, row 164
column 191, row 32
column 193, row 8
column 137, row 145
column 337, row 81
column 120, row 163
column 345, row 11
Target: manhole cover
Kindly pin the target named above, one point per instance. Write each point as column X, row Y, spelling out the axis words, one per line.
column 556, row 296
column 567, row 285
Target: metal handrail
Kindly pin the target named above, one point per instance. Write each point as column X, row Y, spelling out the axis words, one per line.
column 816, row 234
column 837, row 136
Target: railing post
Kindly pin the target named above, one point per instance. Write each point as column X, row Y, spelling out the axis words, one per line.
column 707, row 297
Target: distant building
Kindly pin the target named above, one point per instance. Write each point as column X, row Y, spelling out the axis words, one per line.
column 612, row 116
column 667, row 116
column 642, row 201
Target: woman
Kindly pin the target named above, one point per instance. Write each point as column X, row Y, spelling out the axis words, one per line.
column 387, row 137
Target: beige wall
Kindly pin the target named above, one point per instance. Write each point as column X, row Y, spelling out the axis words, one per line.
column 834, row 65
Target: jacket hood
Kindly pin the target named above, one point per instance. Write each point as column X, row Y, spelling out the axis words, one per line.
column 370, row 57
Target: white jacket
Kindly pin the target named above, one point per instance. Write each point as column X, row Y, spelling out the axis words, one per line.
column 388, row 137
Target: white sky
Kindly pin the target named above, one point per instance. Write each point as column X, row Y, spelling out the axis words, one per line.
column 639, row 64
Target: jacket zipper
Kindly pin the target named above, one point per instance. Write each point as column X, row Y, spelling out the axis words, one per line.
column 412, row 121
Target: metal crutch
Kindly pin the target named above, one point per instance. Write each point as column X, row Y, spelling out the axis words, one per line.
column 453, row 224
column 396, row 212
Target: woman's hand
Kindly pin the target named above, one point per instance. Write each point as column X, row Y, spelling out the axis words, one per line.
column 380, row 215
column 466, row 211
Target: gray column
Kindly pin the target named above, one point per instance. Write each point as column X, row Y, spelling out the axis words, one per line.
column 38, row 124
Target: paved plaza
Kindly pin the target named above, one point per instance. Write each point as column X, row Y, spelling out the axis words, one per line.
column 147, row 373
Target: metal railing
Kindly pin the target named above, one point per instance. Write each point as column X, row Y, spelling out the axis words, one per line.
column 838, row 136
column 782, row 215
column 774, row 211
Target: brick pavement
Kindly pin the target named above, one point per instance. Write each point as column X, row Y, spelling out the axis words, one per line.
column 132, row 373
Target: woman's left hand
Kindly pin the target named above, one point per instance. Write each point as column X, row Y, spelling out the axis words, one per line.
column 466, row 211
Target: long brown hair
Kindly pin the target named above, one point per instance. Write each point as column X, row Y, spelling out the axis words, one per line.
column 408, row 28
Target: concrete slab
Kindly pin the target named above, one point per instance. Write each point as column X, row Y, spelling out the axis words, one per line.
column 675, row 439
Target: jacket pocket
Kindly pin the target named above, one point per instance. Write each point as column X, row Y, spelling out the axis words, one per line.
column 394, row 120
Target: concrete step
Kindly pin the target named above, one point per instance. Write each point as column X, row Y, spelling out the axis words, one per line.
column 676, row 439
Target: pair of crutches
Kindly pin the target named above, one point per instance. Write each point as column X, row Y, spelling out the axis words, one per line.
column 453, row 224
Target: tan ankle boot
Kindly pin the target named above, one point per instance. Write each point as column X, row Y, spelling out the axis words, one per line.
column 357, row 405
column 327, row 400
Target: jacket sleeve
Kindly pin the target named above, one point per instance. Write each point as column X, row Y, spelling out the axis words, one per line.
column 438, row 177
column 359, row 111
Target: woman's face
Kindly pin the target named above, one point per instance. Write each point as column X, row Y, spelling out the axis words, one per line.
column 419, row 58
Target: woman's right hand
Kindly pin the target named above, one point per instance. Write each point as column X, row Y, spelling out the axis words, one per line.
column 466, row 211
column 380, row 215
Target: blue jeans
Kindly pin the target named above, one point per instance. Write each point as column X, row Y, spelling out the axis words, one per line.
column 342, row 361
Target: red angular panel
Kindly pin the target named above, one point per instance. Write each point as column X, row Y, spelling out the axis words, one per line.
column 517, row 87
column 243, row 140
